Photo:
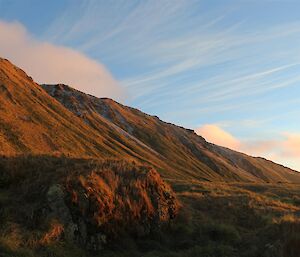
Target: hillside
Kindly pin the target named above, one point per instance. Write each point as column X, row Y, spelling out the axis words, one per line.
column 186, row 154
column 32, row 122
column 63, row 180
column 83, row 176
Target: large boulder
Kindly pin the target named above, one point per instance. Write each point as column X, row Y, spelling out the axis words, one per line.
column 99, row 206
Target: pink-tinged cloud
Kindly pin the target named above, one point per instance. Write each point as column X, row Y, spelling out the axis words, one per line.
column 48, row 63
column 218, row 136
column 292, row 145
column 285, row 149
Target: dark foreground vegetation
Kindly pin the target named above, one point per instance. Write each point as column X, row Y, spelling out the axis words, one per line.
column 117, row 204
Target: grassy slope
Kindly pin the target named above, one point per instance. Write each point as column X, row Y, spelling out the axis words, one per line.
column 186, row 154
column 33, row 122
column 217, row 219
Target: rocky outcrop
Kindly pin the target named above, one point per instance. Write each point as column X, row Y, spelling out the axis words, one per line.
column 60, row 211
column 99, row 206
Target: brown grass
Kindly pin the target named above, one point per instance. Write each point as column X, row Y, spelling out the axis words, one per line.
column 55, row 233
column 111, row 198
column 123, row 199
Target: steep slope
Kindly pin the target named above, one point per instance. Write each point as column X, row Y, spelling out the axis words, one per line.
column 77, row 124
column 32, row 122
column 262, row 168
column 186, row 154
column 58, row 199
column 180, row 157
column 54, row 183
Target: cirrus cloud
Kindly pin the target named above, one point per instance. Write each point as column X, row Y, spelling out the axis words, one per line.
column 48, row 63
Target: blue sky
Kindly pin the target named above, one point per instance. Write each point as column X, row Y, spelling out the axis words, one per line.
column 233, row 64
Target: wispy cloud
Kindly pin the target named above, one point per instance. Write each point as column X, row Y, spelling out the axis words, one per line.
column 235, row 70
column 180, row 46
column 48, row 63
column 197, row 62
column 206, row 51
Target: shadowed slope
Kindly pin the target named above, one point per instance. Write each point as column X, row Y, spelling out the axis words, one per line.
column 87, row 202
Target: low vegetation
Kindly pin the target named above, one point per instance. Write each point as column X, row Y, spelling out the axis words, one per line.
column 47, row 200
column 215, row 220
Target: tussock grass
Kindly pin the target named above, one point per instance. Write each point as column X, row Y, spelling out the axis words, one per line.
column 216, row 219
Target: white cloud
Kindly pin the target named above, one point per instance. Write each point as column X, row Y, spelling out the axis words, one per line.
column 285, row 149
column 48, row 63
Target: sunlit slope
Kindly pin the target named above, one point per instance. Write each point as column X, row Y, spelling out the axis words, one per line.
column 32, row 122
column 69, row 122
column 186, row 154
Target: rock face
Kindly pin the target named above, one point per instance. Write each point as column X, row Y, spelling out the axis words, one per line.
column 97, row 207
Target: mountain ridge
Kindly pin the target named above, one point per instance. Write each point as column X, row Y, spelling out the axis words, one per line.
column 140, row 125
column 56, row 119
column 32, row 122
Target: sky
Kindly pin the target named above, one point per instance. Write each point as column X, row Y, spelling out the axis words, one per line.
column 230, row 69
